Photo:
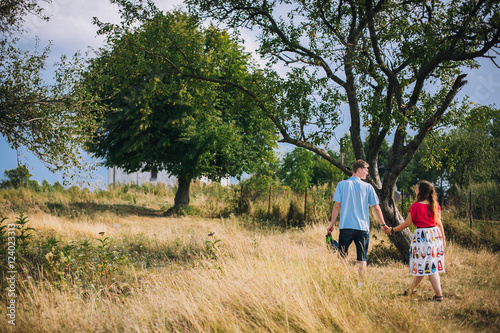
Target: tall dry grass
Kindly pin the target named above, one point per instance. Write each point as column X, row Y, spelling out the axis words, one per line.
column 245, row 277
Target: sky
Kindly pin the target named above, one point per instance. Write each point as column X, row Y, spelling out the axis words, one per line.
column 70, row 29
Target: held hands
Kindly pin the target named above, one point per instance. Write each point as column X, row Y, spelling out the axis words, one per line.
column 387, row 230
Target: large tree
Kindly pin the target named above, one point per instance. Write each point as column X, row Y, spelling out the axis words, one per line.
column 157, row 121
column 396, row 66
column 53, row 119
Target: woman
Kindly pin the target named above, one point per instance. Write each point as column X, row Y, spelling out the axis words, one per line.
column 428, row 241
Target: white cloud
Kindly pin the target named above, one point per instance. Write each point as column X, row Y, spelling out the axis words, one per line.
column 70, row 26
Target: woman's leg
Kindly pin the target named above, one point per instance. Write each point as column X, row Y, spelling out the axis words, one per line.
column 436, row 284
column 416, row 281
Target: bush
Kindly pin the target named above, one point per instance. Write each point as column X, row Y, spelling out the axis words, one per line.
column 320, row 203
column 34, row 186
column 155, row 189
column 58, row 187
column 182, row 211
column 485, row 201
column 383, row 253
column 295, row 217
column 484, row 234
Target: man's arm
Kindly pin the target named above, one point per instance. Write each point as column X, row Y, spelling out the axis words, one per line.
column 335, row 213
column 378, row 214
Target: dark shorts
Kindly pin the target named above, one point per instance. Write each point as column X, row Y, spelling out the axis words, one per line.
column 361, row 240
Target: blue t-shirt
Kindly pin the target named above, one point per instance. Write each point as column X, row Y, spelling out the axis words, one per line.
column 355, row 196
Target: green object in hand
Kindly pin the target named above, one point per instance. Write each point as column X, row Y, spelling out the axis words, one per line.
column 331, row 243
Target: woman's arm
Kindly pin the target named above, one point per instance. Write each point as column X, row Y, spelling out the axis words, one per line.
column 403, row 225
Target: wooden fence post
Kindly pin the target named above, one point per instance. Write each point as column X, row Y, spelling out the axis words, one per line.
column 305, row 207
column 269, row 205
column 241, row 200
column 470, row 208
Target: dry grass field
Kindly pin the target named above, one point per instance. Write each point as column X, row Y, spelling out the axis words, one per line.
column 116, row 264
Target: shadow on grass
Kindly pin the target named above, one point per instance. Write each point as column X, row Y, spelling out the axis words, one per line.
column 90, row 208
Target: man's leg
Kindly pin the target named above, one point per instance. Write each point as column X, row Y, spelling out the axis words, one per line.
column 345, row 239
column 362, row 270
column 361, row 240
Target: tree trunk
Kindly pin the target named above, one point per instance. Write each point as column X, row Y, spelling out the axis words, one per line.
column 392, row 217
column 182, row 195
column 401, row 239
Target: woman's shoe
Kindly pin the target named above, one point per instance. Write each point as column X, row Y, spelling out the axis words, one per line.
column 436, row 298
column 408, row 292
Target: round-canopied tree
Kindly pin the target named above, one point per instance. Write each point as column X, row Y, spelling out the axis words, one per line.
column 159, row 121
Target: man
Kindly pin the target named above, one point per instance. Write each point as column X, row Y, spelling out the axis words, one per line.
column 354, row 196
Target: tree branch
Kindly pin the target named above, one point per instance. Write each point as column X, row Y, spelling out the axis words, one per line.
column 321, row 152
column 411, row 148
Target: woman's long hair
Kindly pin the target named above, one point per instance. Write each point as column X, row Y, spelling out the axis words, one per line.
column 426, row 191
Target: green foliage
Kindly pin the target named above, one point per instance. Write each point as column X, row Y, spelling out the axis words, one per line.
column 15, row 238
column 159, row 121
column 212, row 247
column 52, row 121
column 12, row 14
column 347, row 154
column 16, row 178
column 405, row 203
column 83, row 264
column 182, row 211
column 383, row 253
column 264, row 178
column 483, row 235
column 485, row 201
column 19, row 178
column 4, row 242
column 24, row 234
column 324, row 172
column 296, row 170
column 301, row 169
column 473, row 152
column 461, row 156
column 383, row 52
column 421, row 169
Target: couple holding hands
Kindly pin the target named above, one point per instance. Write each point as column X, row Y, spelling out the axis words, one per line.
column 428, row 241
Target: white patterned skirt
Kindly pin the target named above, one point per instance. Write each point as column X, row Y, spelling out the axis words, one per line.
column 427, row 252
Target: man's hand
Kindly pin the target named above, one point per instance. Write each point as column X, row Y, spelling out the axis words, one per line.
column 386, row 230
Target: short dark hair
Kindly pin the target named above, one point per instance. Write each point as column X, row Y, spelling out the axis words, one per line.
column 359, row 164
